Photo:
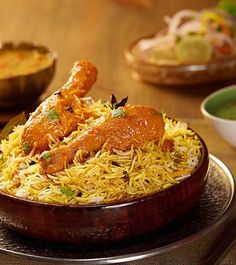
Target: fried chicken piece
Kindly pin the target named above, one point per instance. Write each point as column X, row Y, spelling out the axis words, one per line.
column 127, row 126
column 59, row 115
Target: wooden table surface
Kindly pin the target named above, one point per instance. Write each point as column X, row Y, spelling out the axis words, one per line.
column 100, row 30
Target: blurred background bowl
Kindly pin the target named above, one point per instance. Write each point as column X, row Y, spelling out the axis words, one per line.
column 113, row 221
column 226, row 128
column 21, row 90
column 180, row 74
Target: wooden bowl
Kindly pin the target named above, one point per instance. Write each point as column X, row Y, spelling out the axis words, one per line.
column 105, row 222
column 20, row 90
column 179, row 74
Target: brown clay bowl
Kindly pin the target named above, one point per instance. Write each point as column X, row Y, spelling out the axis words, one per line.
column 106, row 222
column 179, row 74
column 21, row 90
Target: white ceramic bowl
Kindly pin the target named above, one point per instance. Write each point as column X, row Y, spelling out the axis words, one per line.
column 226, row 128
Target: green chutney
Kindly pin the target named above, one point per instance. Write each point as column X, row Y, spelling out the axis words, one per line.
column 227, row 111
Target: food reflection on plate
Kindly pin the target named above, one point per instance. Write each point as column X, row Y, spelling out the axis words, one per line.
column 192, row 37
column 103, row 162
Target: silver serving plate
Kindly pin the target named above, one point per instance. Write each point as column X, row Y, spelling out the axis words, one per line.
column 211, row 210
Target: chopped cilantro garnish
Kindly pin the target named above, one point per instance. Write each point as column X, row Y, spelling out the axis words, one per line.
column 52, row 115
column 117, row 112
column 67, row 191
column 113, row 106
column 229, row 6
column 26, row 146
column 46, row 156
column 161, row 113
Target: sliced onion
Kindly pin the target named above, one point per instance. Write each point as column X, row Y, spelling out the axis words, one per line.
column 184, row 22
column 190, row 26
column 177, row 19
column 167, row 19
column 170, row 37
column 147, row 44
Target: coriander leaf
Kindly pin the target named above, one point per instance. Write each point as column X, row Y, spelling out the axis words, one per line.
column 52, row 115
column 46, row 156
column 113, row 106
column 229, row 6
column 117, row 112
column 26, row 146
column 67, row 191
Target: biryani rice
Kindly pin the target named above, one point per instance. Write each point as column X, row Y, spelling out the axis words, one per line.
column 104, row 176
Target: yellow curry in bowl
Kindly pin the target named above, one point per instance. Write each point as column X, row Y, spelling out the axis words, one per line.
column 26, row 70
column 22, row 62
